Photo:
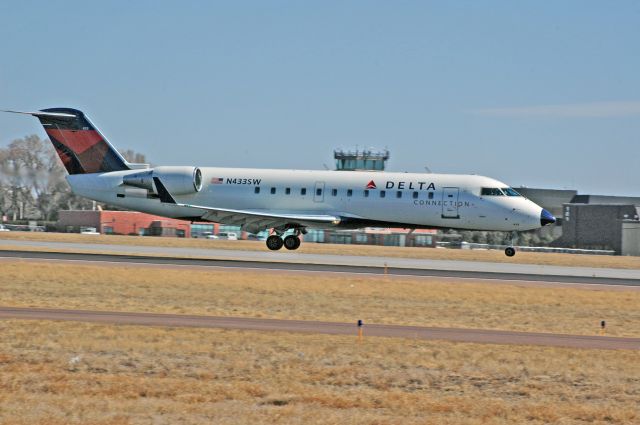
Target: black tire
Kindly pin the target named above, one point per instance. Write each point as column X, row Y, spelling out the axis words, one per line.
column 274, row 242
column 510, row 251
column 292, row 242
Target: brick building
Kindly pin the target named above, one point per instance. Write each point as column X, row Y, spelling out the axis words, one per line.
column 123, row 223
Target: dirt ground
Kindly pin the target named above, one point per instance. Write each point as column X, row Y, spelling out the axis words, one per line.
column 72, row 373
column 343, row 298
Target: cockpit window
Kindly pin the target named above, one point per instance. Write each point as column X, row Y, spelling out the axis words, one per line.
column 510, row 191
column 491, row 191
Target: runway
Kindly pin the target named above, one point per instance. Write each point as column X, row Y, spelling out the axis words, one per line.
column 302, row 258
column 324, row 268
column 331, row 328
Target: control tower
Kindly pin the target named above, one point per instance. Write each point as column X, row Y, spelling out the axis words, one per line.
column 367, row 159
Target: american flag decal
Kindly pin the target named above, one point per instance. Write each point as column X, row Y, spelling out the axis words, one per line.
column 216, row 180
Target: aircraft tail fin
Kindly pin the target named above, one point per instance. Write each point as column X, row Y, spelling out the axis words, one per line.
column 79, row 144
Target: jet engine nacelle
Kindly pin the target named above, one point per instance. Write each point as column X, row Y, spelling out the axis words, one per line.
column 177, row 180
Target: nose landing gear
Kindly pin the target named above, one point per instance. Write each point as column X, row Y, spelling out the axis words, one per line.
column 510, row 251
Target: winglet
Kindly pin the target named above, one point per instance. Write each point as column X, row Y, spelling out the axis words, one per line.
column 163, row 193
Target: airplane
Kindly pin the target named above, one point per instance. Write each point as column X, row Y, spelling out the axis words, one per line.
column 287, row 201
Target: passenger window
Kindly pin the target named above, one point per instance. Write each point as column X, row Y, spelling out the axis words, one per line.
column 383, row 193
column 287, row 191
column 303, row 191
column 273, row 190
column 399, row 194
column 415, row 195
column 430, row 195
column 334, row 192
column 491, row 191
column 349, row 192
column 366, row 193
column 319, row 192
column 256, row 190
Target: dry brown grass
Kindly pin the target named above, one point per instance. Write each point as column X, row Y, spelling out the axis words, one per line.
column 72, row 373
column 317, row 296
column 333, row 249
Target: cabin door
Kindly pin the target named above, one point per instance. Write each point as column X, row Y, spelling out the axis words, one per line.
column 450, row 202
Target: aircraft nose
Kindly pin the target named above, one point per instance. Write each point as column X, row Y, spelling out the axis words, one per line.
column 546, row 218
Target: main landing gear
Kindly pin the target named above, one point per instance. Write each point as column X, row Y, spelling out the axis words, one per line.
column 291, row 242
column 510, row 251
column 274, row 242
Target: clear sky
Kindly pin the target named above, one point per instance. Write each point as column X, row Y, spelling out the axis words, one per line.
column 535, row 93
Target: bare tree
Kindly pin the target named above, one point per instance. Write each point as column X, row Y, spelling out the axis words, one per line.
column 33, row 183
column 135, row 157
column 18, row 198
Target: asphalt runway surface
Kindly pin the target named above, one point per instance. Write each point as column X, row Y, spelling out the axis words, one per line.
column 316, row 267
column 331, row 328
column 284, row 256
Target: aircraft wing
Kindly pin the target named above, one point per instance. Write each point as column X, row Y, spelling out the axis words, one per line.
column 256, row 219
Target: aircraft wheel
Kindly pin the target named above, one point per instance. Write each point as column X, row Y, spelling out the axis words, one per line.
column 274, row 242
column 510, row 251
column 292, row 242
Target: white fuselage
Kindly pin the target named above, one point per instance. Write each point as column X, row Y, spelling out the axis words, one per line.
column 399, row 199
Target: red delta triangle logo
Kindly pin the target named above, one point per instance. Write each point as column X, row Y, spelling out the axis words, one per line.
column 371, row 185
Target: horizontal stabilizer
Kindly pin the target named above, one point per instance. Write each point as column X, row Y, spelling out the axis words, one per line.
column 79, row 144
column 41, row 114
